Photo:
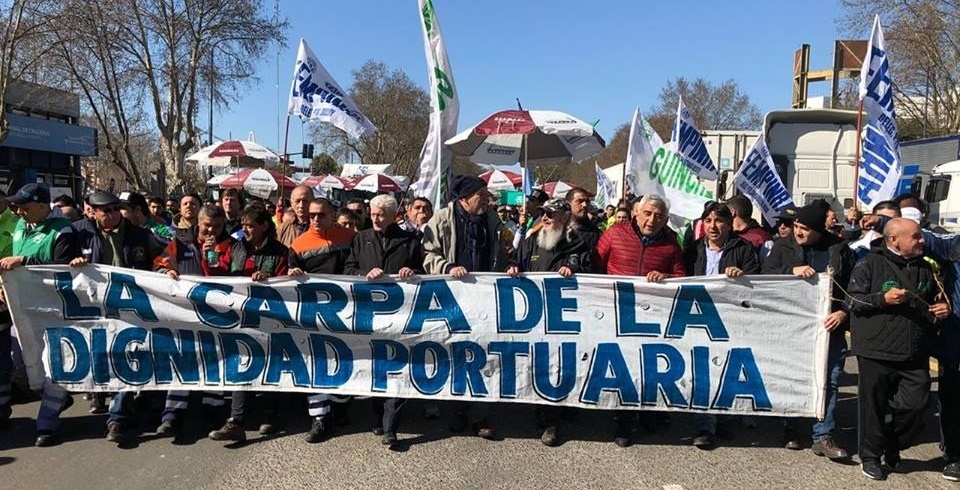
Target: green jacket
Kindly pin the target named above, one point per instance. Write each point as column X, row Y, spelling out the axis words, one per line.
column 51, row 241
column 8, row 224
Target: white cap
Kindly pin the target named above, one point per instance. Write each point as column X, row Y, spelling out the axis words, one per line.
column 912, row 214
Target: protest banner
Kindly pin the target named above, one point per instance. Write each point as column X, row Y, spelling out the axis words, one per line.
column 879, row 167
column 667, row 176
column 706, row 344
column 757, row 178
column 314, row 94
column 435, row 158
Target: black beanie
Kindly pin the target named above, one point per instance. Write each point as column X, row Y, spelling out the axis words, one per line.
column 813, row 216
column 466, row 185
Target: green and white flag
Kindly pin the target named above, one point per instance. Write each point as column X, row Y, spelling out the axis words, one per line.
column 642, row 143
column 435, row 158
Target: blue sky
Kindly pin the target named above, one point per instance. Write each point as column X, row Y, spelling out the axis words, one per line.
column 593, row 59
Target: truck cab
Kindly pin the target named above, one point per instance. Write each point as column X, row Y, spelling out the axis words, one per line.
column 943, row 196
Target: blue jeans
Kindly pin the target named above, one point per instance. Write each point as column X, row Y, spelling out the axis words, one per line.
column 122, row 407
column 836, row 355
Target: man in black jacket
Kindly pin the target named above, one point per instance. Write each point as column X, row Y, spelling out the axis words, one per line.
column 553, row 247
column 385, row 248
column 893, row 300
column 811, row 250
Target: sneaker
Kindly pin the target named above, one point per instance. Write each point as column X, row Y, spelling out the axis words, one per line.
column 389, row 438
column 485, row 431
column 319, row 431
column 894, row 462
column 46, row 438
column 167, row 429
column 98, row 403
column 550, row 437
column 826, row 447
column 704, row 440
column 231, row 431
column 114, row 432
column 378, row 430
column 952, row 471
column 790, row 439
column 871, row 469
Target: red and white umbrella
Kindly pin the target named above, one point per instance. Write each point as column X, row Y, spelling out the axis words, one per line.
column 501, row 180
column 557, row 189
column 234, row 152
column 530, row 137
column 377, row 183
column 258, row 182
column 325, row 181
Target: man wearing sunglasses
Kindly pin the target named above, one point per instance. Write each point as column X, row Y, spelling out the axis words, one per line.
column 322, row 249
column 39, row 238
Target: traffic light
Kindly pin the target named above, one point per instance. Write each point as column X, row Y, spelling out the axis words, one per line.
column 307, row 152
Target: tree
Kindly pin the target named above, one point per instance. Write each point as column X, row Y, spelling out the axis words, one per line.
column 713, row 107
column 164, row 55
column 324, row 164
column 923, row 45
column 25, row 30
column 396, row 106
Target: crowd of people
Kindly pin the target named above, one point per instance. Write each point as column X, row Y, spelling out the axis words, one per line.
column 895, row 289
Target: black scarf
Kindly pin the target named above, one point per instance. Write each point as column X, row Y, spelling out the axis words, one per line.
column 473, row 244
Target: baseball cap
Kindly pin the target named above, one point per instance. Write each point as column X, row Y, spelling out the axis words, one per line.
column 556, row 205
column 31, row 193
column 134, row 199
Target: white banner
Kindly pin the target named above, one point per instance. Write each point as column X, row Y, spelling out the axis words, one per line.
column 880, row 167
column 435, row 158
column 706, row 344
column 689, row 145
column 757, row 178
column 605, row 191
column 640, row 147
column 314, row 94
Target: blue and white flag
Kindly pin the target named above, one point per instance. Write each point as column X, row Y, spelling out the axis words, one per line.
column 527, row 180
column 757, row 178
column 689, row 145
column 880, row 167
column 606, row 195
column 314, row 94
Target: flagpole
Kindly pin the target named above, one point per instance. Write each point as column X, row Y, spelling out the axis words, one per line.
column 286, row 137
column 856, row 163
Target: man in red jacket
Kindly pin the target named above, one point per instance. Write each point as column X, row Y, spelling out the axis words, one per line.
column 644, row 247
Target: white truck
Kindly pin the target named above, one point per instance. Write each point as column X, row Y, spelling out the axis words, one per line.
column 941, row 190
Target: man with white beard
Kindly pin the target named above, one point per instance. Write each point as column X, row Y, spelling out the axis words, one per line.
column 554, row 247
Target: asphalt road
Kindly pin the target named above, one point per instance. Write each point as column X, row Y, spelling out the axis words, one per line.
column 432, row 457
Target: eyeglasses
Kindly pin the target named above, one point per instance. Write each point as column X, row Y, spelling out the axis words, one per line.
column 314, row 216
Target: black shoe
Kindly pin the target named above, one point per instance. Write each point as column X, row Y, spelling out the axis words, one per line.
column 894, row 462
column 114, row 432
column 378, row 430
column 704, row 440
column 319, row 431
column 621, row 437
column 460, row 423
column 952, row 471
column 550, row 438
column 389, row 438
column 872, row 470
column 790, row 439
column 46, row 438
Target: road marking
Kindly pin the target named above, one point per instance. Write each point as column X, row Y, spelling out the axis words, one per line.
column 673, row 486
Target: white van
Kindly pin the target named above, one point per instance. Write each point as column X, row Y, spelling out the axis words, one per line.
column 943, row 196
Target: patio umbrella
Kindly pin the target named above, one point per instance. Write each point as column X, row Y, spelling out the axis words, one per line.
column 529, row 137
column 557, row 189
column 234, row 152
column 377, row 183
column 325, row 181
column 501, row 180
column 258, row 182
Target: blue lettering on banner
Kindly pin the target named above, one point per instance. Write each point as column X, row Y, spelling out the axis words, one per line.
column 99, row 357
column 557, row 304
column 424, row 381
column 742, row 379
column 468, row 360
column 389, row 357
column 171, row 355
column 627, row 324
column 693, row 307
column 123, row 293
column 508, row 288
column 656, row 382
column 338, row 355
column 543, row 377
column 60, row 339
column 609, row 372
column 374, row 298
column 436, row 292
column 320, row 304
column 243, row 358
column 133, row 366
column 508, row 352
column 72, row 309
column 263, row 301
column 285, row 357
column 207, row 314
